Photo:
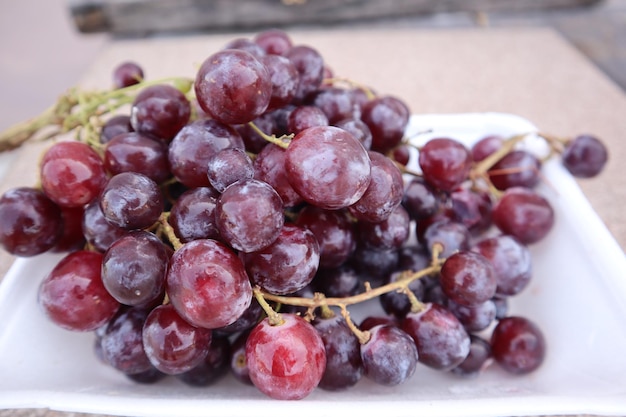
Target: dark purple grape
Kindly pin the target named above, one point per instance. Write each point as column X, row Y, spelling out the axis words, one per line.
column 343, row 355
column 249, row 215
column 445, row 163
column 254, row 143
column 420, row 200
column 328, row 167
column 502, row 306
column 98, row 231
column 72, row 237
column 208, row 284
column 288, row 264
column 451, row 235
column 229, row 166
column 477, row 359
column 269, row 166
column 151, row 376
column 137, row 153
column 172, row 344
column 310, row 66
column 471, row 208
column 131, row 201
column 126, row 74
column 511, row 262
column 401, row 154
column 358, row 129
column 342, row 281
column 304, row 117
column 476, row 317
column 248, row 319
column 30, row 223
column 370, row 321
column 193, row 147
column 468, row 278
column 333, row 231
column 122, row 342
column 523, row 214
column 518, row 168
column 387, row 117
column 398, row 303
column 584, row 156
column 384, row 192
column 392, row 232
column 274, row 41
column 518, row 345
column 336, row 103
column 114, row 126
column 486, row 146
column 193, row 215
column 374, row 264
column 214, row 366
column 284, row 78
column 126, row 274
column 442, row 341
column 389, row 356
column 248, row 45
column 160, row 110
column 233, row 87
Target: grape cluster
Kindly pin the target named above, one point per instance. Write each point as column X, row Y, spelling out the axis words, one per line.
column 230, row 228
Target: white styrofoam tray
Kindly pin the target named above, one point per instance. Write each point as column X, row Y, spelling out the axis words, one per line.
column 577, row 296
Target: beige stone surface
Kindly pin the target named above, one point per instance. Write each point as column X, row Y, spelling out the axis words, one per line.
column 533, row 73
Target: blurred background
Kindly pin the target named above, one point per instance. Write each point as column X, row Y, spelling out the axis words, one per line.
column 45, row 46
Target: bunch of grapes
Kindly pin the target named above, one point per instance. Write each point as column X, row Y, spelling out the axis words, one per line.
column 229, row 227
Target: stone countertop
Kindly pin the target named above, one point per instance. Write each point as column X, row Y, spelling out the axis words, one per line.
column 530, row 72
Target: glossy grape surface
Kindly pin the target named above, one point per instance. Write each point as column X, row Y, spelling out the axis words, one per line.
column 131, row 201
column 160, row 111
column 172, row 345
column 72, row 174
column 288, row 264
column 208, row 284
column 233, row 87
column 249, row 215
column 442, row 341
column 518, row 345
column 445, row 163
column 30, row 223
column 524, row 214
column 390, row 356
column 72, row 294
column 128, row 275
column 328, row 167
column 285, row 361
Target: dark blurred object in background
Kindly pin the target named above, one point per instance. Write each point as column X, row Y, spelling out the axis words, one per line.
column 146, row 16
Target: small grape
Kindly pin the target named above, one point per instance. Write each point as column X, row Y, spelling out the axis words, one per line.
column 445, row 163
column 518, row 345
column 172, row 345
column 584, row 156
column 524, row 214
column 160, row 111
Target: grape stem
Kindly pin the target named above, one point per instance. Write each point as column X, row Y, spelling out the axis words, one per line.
column 368, row 294
column 77, row 109
column 282, row 141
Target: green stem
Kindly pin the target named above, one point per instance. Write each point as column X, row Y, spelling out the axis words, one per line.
column 282, row 141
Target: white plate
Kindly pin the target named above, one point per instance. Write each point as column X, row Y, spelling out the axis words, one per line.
column 577, row 296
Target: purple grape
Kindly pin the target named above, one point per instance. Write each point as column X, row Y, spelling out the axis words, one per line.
column 249, row 215
column 160, row 110
column 584, row 156
column 518, row 345
column 233, row 87
column 389, row 356
column 442, row 341
column 229, row 166
column 524, row 214
column 30, row 223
